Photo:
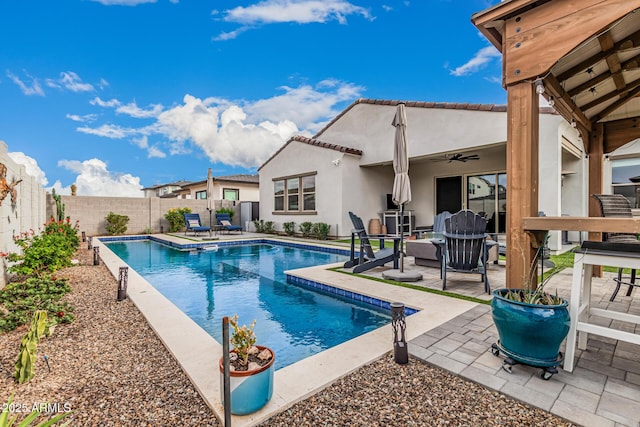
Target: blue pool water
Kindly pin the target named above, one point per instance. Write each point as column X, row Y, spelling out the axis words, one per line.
column 249, row 280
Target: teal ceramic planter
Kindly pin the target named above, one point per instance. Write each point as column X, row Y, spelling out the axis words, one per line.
column 250, row 390
column 529, row 333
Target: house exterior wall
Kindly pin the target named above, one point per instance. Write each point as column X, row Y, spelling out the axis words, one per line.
column 360, row 183
column 429, row 130
column 29, row 212
column 298, row 158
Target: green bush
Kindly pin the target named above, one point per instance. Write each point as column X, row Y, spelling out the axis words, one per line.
column 175, row 216
column 116, row 224
column 226, row 211
column 21, row 300
column 289, row 228
column 259, row 225
column 46, row 252
column 305, row 229
column 269, row 227
column 320, row 230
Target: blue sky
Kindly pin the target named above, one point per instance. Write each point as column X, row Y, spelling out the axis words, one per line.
column 117, row 95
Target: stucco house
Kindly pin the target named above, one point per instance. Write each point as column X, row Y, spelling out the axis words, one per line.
column 236, row 188
column 347, row 166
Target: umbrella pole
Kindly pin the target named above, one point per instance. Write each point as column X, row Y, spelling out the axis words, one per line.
column 402, row 238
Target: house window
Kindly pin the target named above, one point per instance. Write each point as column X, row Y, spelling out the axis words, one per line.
column 295, row 193
column 231, row 194
column 625, row 179
column 201, row 195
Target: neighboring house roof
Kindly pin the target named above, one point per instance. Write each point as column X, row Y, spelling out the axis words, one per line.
column 419, row 104
column 177, row 183
column 317, row 143
column 240, row 178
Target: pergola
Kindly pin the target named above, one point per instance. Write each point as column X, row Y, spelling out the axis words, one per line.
column 584, row 57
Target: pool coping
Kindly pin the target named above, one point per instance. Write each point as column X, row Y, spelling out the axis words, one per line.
column 198, row 353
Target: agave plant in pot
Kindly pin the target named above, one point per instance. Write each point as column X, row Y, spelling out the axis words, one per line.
column 531, row 322
column 251, row 370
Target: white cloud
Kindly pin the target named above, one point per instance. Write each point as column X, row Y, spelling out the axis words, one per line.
column 70, row 81
column 125, row 2
column 479, row 60
column 281, row 11
column 305, row 104
column 94, row 179
column 33, row 89
column 300, row 11
column 103, row 84
column 142, row 142
column 85, row 118
column 237, row 133
column 155, row 152
column 110, row 103
column 131, row 109
column 108, row 131
column 31, row 166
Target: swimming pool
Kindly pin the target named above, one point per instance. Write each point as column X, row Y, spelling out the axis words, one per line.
column 249, row 280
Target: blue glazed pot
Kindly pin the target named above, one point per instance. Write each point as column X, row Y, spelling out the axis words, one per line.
column 530, row 333
column 250, row 390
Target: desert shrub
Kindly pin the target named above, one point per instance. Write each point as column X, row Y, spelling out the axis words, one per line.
column 320, row 230
column 20, row 300
column 305, row 228
column 175, row 216
column 46, row 252
column 116, row 224
column 289, row 228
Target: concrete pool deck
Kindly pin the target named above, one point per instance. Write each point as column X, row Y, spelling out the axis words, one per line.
column 198, row 353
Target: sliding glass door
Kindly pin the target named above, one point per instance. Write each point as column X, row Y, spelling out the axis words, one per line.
column 487, row 196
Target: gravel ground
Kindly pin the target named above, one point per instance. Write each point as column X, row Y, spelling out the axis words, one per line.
column 110, row 369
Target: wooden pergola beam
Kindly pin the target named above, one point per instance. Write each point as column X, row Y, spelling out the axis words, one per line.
column 527, row 49
column 619, row 133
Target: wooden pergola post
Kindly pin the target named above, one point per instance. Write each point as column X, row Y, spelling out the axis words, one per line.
column 595, row 147
column 522, row 178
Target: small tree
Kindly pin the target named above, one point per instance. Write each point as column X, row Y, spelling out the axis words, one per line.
column 116, row 224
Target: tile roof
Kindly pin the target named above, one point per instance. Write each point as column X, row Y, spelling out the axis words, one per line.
column 422, row 104
column 317, row 143
column 419, row 104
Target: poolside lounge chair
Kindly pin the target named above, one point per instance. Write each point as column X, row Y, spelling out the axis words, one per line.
column 192, row 223
column 617, row 206
column 367, row 258
column 224, row 220
column 465, row 244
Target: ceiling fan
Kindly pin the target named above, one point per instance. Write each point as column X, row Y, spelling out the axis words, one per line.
column 458, row 157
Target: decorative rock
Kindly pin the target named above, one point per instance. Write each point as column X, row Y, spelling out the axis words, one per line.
column 265, row 354
column 252, row 366
column 253, row 350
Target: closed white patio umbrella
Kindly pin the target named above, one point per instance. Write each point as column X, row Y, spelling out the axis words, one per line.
column 401, row 193
column 210, row 204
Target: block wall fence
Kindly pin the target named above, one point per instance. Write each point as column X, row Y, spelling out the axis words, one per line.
column 143, row 213
column 28, row 211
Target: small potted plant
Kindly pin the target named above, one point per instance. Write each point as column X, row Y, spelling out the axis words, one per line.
column 531, row 322
column 251, row 370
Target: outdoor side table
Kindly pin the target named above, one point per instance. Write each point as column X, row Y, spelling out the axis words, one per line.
column 580, row 304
